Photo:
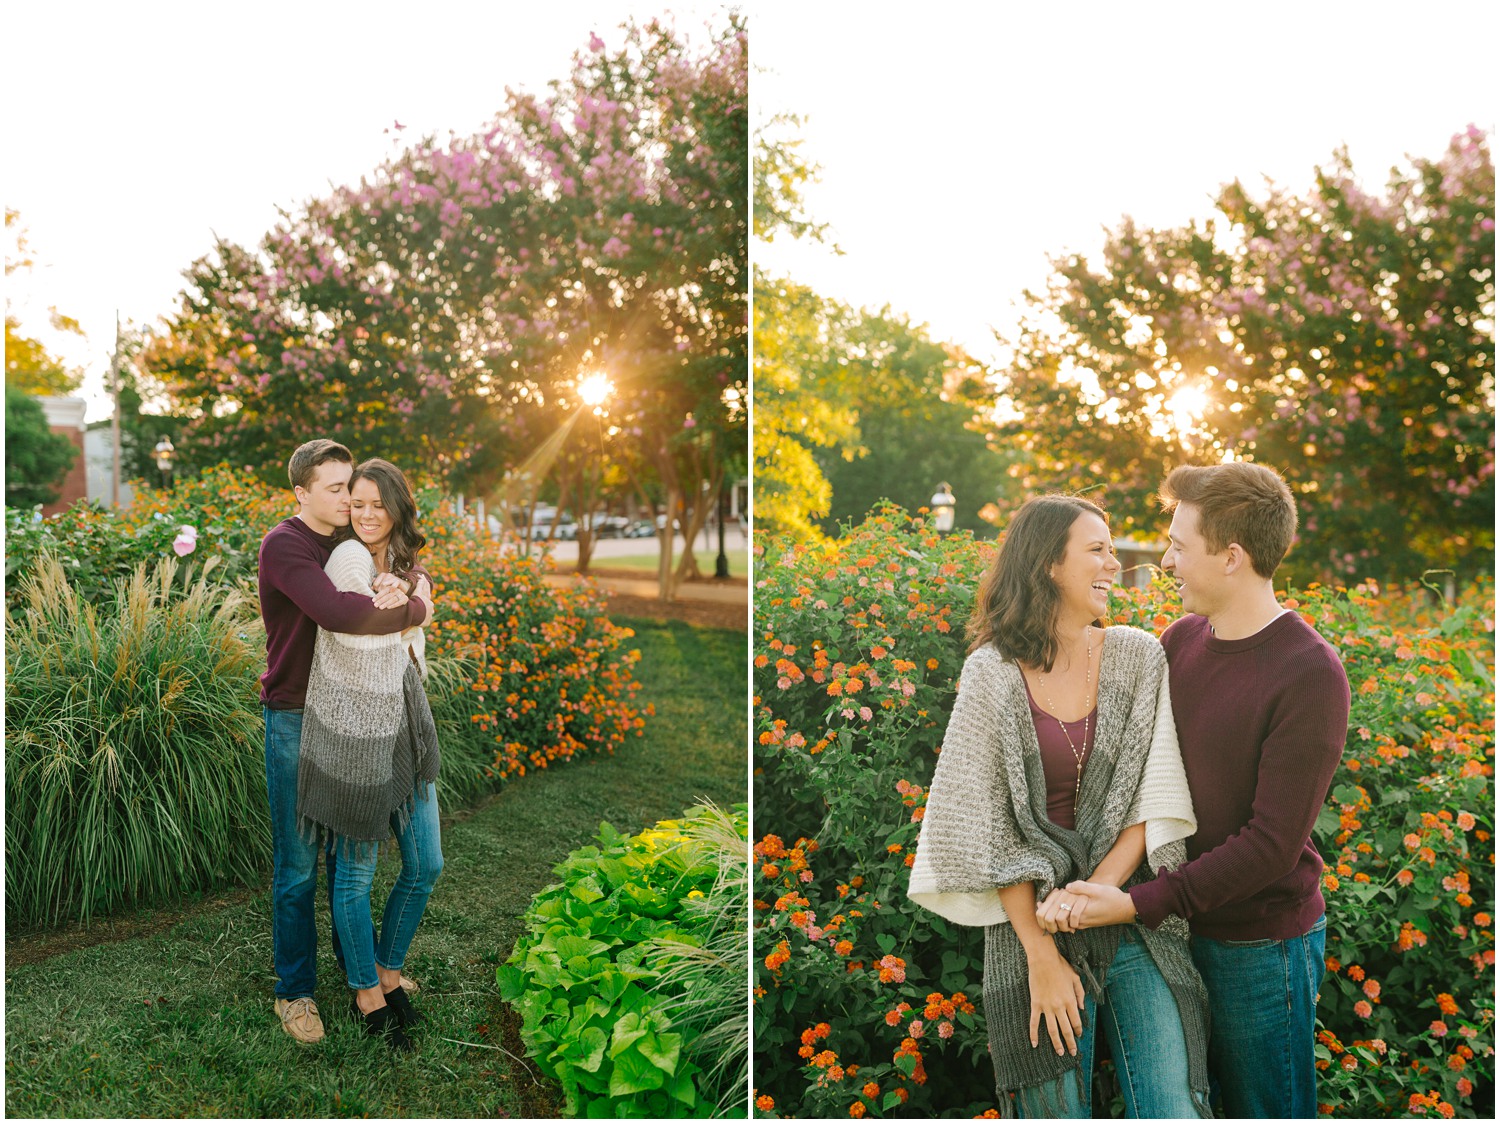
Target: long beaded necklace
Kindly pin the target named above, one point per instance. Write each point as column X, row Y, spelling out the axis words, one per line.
column 1088, row 679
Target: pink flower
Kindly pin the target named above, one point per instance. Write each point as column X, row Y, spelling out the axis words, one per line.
column 1363, row 1009
column 186, row 541
column 806, row 876
column 945, row 1029
column 595, row 43
column 866, row 713
column 915, row 1030
column 1438, row 1029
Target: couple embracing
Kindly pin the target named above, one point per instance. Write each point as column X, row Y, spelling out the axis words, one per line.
column 1130, row 819
column 351, row 750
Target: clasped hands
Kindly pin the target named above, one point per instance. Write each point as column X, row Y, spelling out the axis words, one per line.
column 1084, row 905
column 391, row 592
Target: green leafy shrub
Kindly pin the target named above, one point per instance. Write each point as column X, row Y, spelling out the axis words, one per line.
column 622, row 976
column 133, row 759
column 866, row 1005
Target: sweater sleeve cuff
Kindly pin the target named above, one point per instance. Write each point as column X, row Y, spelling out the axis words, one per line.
column 416, row 612
column 1152, row 901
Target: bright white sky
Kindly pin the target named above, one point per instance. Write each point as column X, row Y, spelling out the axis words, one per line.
column 960, row 145
column 963, row 144
column 135, row 130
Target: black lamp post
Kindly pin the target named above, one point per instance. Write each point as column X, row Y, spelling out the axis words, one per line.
column 721, row 564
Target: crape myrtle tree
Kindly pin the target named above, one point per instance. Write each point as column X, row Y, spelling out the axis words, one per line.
column 442, row 312
column 1342, row 337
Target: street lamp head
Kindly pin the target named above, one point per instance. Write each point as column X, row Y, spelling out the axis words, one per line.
column 942, row 504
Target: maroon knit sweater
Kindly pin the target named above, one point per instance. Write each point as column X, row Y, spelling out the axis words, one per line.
column 296, row 597
column 1262, row 722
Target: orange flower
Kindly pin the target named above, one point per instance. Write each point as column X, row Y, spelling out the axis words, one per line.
column 765, row 1102
column 1356, row 973
column 1447, row 1004
column 1372, row 989
column 871, row 1090
column 857, row 1109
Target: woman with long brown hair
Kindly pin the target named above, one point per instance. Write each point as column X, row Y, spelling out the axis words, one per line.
column 1060, row 763
column 370, row 757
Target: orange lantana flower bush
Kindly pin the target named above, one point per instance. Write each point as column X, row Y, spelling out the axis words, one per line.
column 862, row 999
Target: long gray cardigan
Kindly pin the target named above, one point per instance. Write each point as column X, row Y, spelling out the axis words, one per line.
column 986, row 826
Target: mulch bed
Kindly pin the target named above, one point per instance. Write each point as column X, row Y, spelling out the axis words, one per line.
column 704, row 614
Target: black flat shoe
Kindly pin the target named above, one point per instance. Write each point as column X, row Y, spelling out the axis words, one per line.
column 397, row 1001
column 383, row 1023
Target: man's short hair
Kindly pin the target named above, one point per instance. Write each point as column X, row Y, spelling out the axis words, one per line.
column 307, row 457
column 1237, row 502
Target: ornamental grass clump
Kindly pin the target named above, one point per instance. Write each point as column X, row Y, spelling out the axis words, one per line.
column 606, row 976
column 133, row 760
column 705, row 973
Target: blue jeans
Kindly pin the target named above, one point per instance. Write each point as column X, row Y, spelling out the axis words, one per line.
column 294, row 864
column 421, row 863
column 1262, row 998
column 1140, row 1021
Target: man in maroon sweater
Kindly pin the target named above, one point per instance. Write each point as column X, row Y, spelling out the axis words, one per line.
column 296, row 598
column 1261, row 703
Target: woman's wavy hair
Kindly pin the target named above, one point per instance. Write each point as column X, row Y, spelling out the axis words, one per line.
column 395, row 494
column 1017, row 606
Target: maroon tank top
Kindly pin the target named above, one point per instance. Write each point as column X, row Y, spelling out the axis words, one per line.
column 1059, row 765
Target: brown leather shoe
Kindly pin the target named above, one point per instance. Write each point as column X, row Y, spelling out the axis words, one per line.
column 409, row 986
column 299, row 1018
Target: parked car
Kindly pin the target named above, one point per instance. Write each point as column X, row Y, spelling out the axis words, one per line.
column 611, row 527
column 640, row 529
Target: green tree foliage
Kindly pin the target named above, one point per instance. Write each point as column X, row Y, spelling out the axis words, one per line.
column 917, row 402
column 1342, row 337
column 804, row 399
column 29, row 366
column 36, row 459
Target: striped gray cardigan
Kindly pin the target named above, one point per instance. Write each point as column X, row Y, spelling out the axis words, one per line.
column 367, row 732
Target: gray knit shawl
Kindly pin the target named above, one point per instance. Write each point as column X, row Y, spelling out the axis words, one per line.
column 986, row 826
column 367, row 731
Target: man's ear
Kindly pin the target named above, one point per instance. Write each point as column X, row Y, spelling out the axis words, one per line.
column 1235, row 559
column 300, row 493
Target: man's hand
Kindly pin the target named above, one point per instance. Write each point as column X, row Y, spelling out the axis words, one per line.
column 423, row 593
column 1061, row 912
column 390, row 591
column 1107, row 905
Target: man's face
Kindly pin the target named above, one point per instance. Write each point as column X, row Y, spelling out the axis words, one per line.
column 325, row 501
column 1200, row 575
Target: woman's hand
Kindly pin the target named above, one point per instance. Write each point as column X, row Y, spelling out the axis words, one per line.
column 390, row 591
column 1062, row 912
column 1056, row 997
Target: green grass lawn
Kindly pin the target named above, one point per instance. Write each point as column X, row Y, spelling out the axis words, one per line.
column 179, row 1022
column 647, row 563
